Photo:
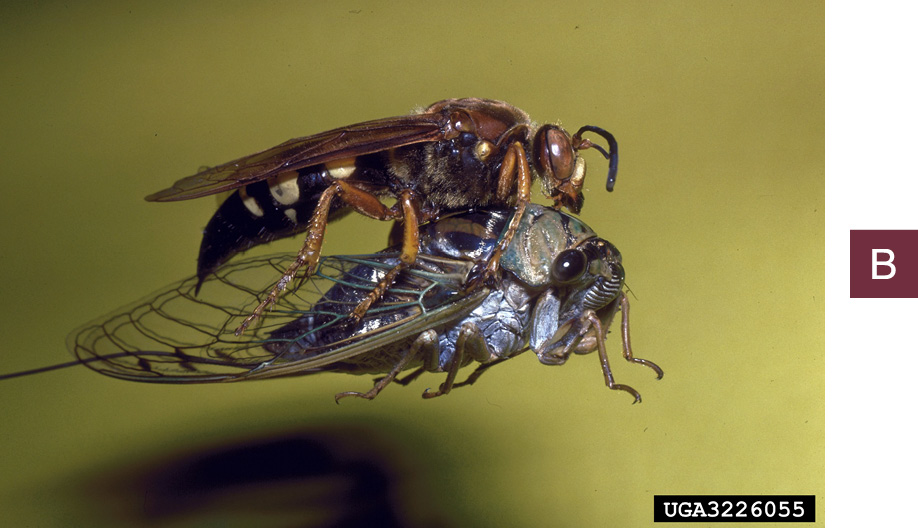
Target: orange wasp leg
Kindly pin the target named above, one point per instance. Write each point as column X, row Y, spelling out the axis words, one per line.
column 410, row 247
column 361, row 201
column 514, row 161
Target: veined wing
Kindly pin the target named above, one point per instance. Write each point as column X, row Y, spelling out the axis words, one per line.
column 175, row 336
column 340, row 143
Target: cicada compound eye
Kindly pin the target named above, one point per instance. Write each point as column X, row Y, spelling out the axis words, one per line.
column 569, row 266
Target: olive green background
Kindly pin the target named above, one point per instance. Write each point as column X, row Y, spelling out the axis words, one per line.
column 718, row 108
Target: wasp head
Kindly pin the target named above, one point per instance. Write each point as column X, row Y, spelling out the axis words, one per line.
column 562, row 169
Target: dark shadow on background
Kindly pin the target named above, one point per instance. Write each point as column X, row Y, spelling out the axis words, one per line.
column 318, row 477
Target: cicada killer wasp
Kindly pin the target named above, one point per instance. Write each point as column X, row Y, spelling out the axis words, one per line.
column 455, row 155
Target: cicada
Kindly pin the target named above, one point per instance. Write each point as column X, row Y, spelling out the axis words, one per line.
column 455, row 155
column 558, row 289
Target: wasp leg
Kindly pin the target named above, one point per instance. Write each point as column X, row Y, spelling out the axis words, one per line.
column 361, row 201
column 471, row 343
column 426, row 344
column 514, row 161
column 410, row 247
column 625, row 307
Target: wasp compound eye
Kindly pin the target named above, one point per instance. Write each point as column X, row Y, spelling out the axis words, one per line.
column 568, row 266
column 554, row 153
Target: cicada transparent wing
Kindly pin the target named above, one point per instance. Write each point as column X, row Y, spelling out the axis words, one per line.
column 177, row 336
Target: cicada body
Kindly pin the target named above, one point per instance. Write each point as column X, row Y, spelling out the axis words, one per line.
column 455, row 155
column 559, row 287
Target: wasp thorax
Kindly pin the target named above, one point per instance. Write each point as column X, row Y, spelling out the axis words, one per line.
column 483, row 150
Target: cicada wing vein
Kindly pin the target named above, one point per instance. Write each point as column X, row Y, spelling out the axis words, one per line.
column 389, row 335
column 175, row 336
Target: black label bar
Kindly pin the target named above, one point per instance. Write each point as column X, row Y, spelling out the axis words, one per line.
column 734, row 508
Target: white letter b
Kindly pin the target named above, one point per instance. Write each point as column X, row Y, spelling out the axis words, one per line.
column 888, row 263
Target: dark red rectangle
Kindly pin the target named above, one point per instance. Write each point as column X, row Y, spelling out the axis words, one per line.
column 884, row 264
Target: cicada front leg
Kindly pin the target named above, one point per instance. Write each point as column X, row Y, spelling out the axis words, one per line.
column 361, row 201
column 625, row 307
column 596, row 326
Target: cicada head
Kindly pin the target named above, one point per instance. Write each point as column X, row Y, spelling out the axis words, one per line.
column 587, row 279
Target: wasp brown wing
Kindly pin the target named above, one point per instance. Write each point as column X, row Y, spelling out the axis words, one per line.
column 174, row 336
column 340, row 143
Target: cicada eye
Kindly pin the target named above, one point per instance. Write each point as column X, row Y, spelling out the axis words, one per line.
column 568, row 266
column 554, row 153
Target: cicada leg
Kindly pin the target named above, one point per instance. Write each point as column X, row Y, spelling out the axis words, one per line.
column 596, row 325
column 473, row 377
column 407, row 378
column 625, row 307
column 471, row 342
column 361, row 201
column 426, row 344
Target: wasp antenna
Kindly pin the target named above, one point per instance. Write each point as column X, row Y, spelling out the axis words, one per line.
column 612, row 155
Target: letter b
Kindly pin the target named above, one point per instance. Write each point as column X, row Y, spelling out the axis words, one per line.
column 887, row 263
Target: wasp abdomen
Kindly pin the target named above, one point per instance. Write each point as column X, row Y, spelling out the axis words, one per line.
column 275, row 208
